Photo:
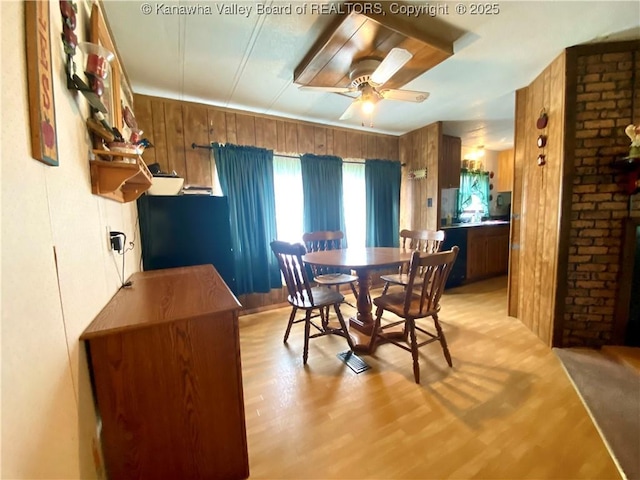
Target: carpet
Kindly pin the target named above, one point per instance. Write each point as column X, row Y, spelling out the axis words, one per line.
column 611, row 394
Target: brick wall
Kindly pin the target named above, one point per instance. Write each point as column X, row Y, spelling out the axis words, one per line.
column 606, row 85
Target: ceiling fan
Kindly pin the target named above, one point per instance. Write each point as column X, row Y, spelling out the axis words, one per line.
column 368, row 77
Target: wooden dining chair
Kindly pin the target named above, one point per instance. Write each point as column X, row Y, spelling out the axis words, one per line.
column 301, row 296
column 426, row 241
column 329, row 276
column 414, row 304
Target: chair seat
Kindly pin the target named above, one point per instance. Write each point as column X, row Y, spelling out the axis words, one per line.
column 334, row 279
column 400, row 279
column 322, row 297
column 394, row 303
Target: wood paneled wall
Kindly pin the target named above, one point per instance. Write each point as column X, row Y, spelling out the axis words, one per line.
column 568, row 214
column 516, row 202
column 419, row 149
column 173, row 126
column 538, row 234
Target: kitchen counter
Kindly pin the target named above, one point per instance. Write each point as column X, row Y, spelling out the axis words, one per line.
column 486, row 223
column 484, row 250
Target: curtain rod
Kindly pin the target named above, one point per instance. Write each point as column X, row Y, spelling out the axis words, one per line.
column 209, row 147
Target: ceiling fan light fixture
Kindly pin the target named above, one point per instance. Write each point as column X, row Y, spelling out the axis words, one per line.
column 368, row 99
column 368, row 107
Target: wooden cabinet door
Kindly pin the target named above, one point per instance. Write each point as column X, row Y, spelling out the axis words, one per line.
column 487, row 251
column 450, row 162
column 494, row 255
column 476, row 257
column 498, row 251
column 504, row 179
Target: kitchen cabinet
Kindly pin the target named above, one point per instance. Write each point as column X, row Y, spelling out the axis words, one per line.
column 164, row 356
column 450, row 162
column 487, row 251
column 504, row 178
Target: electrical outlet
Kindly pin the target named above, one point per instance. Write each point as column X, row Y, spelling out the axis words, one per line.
column 109, row 237
column 116, row 242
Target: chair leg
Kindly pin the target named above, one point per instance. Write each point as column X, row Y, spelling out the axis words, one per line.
column 291, row 317
column 414, row 349
column 443, row 340
column 386, row 287
column 307, row 327
column 324, row 318
column 376, row 328
column 343, row 325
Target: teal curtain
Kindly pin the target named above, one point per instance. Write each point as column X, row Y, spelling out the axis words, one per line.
column 473, row 183
column 382, row 184
column 246, row 178
column 322, row 193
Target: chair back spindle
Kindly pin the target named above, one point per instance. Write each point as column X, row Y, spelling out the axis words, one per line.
column 434, row 268
column 320, row 241
column 425, row 241
column 293, row 269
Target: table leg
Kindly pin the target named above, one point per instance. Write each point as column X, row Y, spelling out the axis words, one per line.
column 362, row 324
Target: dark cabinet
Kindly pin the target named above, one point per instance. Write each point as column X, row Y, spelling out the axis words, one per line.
column 186, row 230
column 450, row 162
column 456, row 237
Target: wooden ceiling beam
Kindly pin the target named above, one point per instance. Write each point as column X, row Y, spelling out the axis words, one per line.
column 356, row 36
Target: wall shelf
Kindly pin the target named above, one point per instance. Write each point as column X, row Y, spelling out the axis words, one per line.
column 118, row 179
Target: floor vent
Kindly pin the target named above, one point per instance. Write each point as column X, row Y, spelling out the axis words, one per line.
column 354, row 362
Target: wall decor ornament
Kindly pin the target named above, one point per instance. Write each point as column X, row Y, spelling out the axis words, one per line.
column 633, row 132
column 542, row 141
column 42, row 115
column 541, row 124
column 417, row 174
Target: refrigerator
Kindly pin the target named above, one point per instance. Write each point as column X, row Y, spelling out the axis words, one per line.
column 185, row 230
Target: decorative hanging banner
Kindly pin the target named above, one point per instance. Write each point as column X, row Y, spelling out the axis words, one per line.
column 417, row 174
column 44, row 144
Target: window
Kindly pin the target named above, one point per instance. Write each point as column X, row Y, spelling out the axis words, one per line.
column 354, row 200
column 287, row 179
column 473, row 196
column 289, row 200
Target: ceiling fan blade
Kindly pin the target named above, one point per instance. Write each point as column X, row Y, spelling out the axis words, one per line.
column 393, row 62
column 404, row 95
column 326, row 89
column 349, row 112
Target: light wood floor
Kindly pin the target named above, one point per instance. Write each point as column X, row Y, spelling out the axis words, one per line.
column 506, row 410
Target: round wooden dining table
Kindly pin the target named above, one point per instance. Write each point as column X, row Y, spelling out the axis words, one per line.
column 363, row 261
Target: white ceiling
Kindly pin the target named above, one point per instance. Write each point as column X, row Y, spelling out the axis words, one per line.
column 247, row 62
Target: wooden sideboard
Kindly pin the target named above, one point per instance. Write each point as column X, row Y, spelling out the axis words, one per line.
column 164, row 356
